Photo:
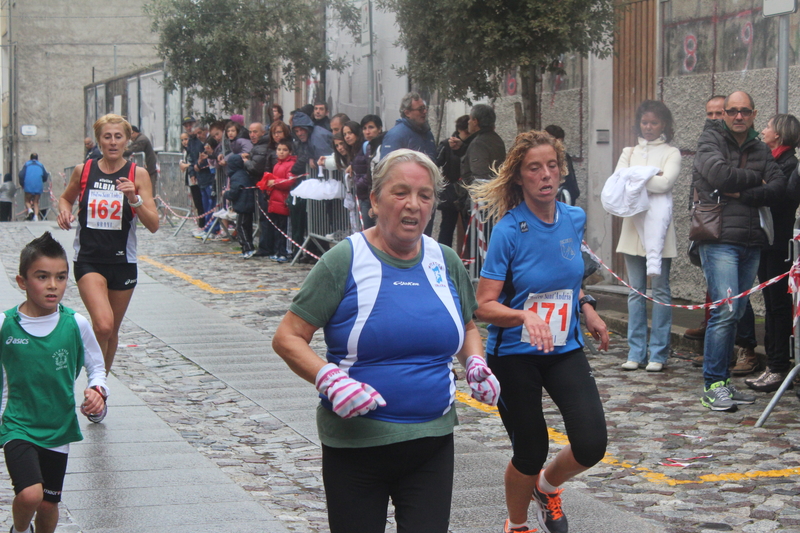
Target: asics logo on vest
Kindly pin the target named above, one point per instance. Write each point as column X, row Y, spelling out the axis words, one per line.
column 12, row 340
column 410, row 283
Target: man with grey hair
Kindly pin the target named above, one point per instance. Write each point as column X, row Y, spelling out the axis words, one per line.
column 486, row 150
column 92, row 151
column 411, row 130
column 258, row 160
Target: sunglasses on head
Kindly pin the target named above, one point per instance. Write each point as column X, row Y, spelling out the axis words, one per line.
column 744, row 111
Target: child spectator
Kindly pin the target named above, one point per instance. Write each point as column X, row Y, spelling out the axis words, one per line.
column 238, row 144
column 45, row 345
column 242, row 196
column 277, row 184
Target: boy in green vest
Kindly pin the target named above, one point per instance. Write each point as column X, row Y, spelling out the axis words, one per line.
column 42, row 348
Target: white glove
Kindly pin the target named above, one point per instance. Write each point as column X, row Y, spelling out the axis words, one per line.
column 349, row 397
column 485, row 387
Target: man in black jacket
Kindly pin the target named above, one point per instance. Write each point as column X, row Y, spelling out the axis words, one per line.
column 486, row 149
column 735, row 168
column 257, row 161
column 141, row 143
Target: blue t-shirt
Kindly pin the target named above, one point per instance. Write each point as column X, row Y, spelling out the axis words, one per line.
column 532, row 256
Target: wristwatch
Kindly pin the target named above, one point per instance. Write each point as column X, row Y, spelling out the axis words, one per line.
column 138, row 201
column 587, row 300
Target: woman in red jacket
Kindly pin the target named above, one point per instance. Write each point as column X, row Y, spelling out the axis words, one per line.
column 277, row 185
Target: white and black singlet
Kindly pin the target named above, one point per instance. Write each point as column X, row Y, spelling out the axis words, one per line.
column 106, row 222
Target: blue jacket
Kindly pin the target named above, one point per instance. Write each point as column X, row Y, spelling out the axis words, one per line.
column 241, row 194
column 320, row 140
column 406, row 134
column 32, row 177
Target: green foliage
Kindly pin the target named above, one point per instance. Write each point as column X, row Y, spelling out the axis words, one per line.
column 462, row 47
column 230, row 50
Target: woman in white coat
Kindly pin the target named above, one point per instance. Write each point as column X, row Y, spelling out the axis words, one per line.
column 654, row 128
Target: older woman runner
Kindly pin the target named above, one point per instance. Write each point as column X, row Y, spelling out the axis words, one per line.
column 113, row 195
column 530, row 294
column 396, row 307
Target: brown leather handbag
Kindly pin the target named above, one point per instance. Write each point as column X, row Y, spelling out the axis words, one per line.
column 706, row 220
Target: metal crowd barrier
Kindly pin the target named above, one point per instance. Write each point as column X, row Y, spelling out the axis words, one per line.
column 170, row 186
column 328, row 221
column 479, row 231
column 794, row 340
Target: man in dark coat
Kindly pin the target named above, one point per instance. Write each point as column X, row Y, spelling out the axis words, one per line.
column 732, row 167
column 486, row 150
column 141, row 143
column 92, row 151
column 411, row 130
column 257, row 161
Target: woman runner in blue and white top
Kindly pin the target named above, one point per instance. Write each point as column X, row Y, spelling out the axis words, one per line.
column 530, row 294
column 113, row 196
column 395, row 307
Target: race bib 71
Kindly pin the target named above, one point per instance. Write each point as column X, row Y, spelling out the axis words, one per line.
column 555, row 308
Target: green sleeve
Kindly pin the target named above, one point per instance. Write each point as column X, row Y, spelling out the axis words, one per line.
column 323, row 289
column 460, row 276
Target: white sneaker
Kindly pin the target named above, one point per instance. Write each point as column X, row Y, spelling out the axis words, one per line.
column 654, row 367
column 199, row 232
column 630, row 365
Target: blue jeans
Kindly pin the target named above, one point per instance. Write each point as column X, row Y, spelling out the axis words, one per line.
column 637, row 312
column 727, row 267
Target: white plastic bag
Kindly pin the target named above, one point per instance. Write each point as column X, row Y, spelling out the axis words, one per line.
column 316, row 189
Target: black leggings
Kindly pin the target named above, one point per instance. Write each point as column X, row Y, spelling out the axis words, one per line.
column 778, row 306
column 416, row 474
column 569, row 381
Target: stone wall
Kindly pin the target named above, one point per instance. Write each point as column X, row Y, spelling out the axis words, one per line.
column 60, row 45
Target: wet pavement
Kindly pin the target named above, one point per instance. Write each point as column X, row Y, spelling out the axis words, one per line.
column 208, row 429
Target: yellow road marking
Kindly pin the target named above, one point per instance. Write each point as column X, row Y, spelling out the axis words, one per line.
column 202, row 284
column 649, row 475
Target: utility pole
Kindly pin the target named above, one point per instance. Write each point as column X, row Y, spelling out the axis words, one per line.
column 370, row 67
column 782, row 9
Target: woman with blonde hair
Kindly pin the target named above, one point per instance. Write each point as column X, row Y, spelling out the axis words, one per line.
column 113, row 195
column 530, row 294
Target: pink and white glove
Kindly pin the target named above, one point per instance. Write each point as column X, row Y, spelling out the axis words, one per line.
column 349, row 397
column 485, row 387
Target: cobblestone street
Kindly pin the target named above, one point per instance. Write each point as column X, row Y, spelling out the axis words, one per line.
column 750, row 483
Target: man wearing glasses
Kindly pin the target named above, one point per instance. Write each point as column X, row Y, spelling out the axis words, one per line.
column 411, row 130
column 732, row 167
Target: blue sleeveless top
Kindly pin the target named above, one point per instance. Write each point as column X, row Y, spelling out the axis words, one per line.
column 397, row 329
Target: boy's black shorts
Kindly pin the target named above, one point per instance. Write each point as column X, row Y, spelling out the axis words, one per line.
column 29, row 464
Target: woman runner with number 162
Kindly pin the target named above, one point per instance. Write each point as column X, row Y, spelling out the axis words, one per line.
column 113, row 194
